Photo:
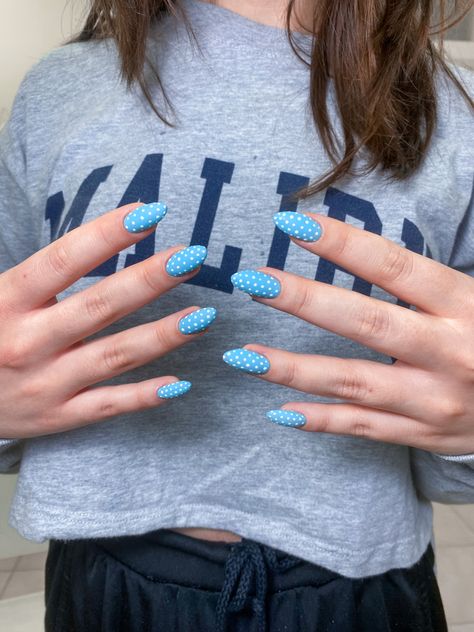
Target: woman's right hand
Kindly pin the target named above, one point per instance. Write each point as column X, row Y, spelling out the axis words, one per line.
column 46, row 368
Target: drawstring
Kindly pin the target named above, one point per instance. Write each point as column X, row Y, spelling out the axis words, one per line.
column 247, row 561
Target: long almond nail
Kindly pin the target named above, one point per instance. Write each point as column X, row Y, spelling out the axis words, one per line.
column 298, row 225
column 197, row 321
column 247, row 361
column 175, row 389
column 256, row 283
column 144, row 217
column 289, row 418
column 186, row 260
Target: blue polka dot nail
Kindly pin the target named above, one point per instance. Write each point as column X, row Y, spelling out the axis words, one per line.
column 288, row 418
column 186, row 260
column 247, row 361
column 176, row 389
column 144, row 217
column 256, row 283
column 298, row 225
column 197, row 321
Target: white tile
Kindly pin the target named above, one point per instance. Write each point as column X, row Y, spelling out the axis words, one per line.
column 24, row 583
column 449, row 528
column 4, row 575
column 11, row 542
column 455, row 576
column 8, row 563
column 37, row 561
column 466, row 513
column 23, row 614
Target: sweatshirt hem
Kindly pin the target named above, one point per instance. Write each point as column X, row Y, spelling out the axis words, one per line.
column 281, row 535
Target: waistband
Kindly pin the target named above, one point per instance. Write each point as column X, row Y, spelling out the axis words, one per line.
column 168, row 556
column 242, row 574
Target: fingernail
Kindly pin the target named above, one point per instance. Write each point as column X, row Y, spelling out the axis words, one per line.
column 186, row 260
column 298, row 225
column 197, row 321
column 176, row 389
column 248, row 361
column 287, row 418
column 256, row 283
column 144, row 217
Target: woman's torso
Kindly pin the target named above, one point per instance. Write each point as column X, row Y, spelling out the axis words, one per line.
column 245, row 138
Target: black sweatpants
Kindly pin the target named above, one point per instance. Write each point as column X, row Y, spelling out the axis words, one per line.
column 169, row 582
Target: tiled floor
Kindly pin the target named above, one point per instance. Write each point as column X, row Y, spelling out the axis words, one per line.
column 454, row 531
column 22, row 575
column 22, row 614
column 21, row 578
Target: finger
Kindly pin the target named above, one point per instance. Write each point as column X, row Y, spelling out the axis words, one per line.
column 385, row 327
column 363, row 382
column 55, row 267
column 89, row 311
column 349, row 419
column 414, row 278
column 113, row 355
column 104, row 402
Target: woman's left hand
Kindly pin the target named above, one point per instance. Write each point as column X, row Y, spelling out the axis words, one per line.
column 426, row 398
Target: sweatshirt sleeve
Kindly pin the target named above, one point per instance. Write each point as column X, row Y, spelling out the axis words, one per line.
column 445, row 478
column 18, row 233
column 442, row 480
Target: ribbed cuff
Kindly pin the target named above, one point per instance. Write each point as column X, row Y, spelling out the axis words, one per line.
column 5, row 443
column 462, row 458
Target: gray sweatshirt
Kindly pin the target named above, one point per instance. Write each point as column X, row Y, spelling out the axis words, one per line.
column 78, row 144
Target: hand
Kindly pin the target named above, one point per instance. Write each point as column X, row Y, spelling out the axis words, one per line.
column 426, row 398
column 46, row 368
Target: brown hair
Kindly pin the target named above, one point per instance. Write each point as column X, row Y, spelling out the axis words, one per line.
column 379, row 53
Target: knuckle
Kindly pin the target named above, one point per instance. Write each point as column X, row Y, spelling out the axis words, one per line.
column 142, row 397
column 149, row 278
column 107, row 408
column 465, row 360
column 373, row 322
column 163, row 337
column 290, row 374
column 60, row 261
column 15, row 353
column 97, row 306
column 105, row 235
column 397, row 264
column 435, row 434
column 343, row 244
column 360, row 425
column 33, row 389
column 352, row 386
column 460, row 352
column 451, row 409
column 304, row 299
column 115, row 358
column 324, row 420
